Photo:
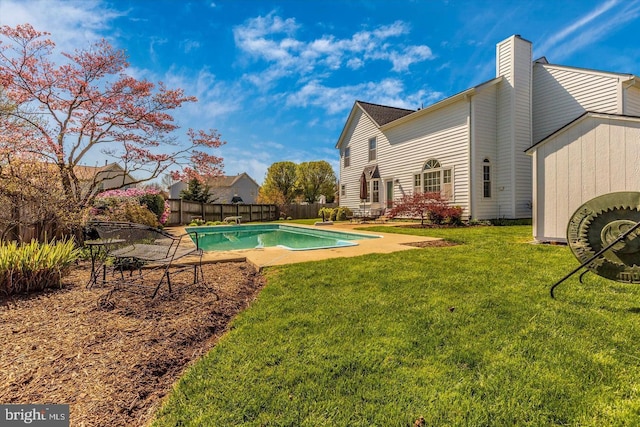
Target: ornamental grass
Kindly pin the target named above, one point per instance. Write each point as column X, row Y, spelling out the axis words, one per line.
column 34, row 266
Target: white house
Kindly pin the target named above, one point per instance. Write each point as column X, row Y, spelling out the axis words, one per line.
column 475, row 146
column 239, row 188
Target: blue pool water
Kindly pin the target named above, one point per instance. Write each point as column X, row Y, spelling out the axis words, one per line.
column 224, row 238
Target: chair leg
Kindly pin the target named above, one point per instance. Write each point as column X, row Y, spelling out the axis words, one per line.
column 165, row 274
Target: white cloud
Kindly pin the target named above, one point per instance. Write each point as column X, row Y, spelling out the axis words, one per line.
column 410, row 55
column 155, row 41
column 355, row 63
column 190, row 45
column 595, row 25
column 72, row 24
column 272, row 39
column 256, row 169
column 567, row 31
column 339, row 99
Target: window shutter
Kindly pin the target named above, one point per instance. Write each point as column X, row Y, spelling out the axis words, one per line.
column 447, row 184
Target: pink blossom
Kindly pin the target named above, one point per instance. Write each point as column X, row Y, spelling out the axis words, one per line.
column 165, row 215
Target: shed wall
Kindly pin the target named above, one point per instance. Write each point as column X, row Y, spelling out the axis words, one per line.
column 595, row 156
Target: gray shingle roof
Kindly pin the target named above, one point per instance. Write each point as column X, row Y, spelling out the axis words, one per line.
column 382, row 114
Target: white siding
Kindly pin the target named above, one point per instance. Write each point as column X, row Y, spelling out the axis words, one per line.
column 484, row 116
column 522, row 131
column 513, row 182
column 442, row 134
column 357, row 139
column 632, row 101
column 594, row 156
column 563, row 94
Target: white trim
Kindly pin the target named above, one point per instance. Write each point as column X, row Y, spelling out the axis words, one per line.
column 588, row 71
column 462, row 96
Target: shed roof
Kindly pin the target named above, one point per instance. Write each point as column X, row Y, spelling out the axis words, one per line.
column 578, row 119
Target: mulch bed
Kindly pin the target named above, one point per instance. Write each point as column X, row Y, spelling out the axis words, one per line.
column 113, row 356
column 432, row 244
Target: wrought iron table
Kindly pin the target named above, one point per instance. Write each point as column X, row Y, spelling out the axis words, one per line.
column 97, row 246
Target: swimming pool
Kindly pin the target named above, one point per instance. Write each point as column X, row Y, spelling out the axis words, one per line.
column 225, row 238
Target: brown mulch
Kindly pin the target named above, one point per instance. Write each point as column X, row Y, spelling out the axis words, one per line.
column 432, row 244
column 112, row 356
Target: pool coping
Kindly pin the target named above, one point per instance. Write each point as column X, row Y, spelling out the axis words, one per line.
column 274, row 256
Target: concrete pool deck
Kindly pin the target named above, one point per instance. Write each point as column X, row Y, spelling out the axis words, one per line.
column 267, row 257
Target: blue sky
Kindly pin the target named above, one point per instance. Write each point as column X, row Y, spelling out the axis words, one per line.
column 278, row 78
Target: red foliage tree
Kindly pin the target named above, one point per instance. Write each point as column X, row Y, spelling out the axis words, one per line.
column 430, row 206
column 62, row 112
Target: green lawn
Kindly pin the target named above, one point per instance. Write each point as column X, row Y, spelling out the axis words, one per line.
column 464, row 336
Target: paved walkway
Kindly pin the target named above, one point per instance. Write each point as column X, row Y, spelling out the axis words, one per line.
column 265, row 257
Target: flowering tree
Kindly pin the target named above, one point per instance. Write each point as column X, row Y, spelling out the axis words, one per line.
column 59, row 113
column 430, row 206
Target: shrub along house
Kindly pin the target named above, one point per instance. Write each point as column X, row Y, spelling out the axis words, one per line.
column 474, row 146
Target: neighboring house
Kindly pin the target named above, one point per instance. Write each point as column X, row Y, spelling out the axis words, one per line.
column 225, row 189
column 474, row 146
column 107, row 177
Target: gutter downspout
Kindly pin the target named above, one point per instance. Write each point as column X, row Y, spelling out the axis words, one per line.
column 470, row 157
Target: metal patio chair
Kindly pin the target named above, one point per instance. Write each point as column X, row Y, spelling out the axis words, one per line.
column 145, row 249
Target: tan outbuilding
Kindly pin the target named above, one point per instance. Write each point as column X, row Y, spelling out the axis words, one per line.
column 594, row 155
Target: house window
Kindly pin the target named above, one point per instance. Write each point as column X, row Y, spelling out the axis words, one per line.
column 417, row 183
column 347, row 157
column 435, row 178
column 431, row 164
column 431, row 181
column 431, row 176
column 343, row 190
column 447, row 184
column 486, row 178
column 446, row 176
column 372, row 149
column 375, row 191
